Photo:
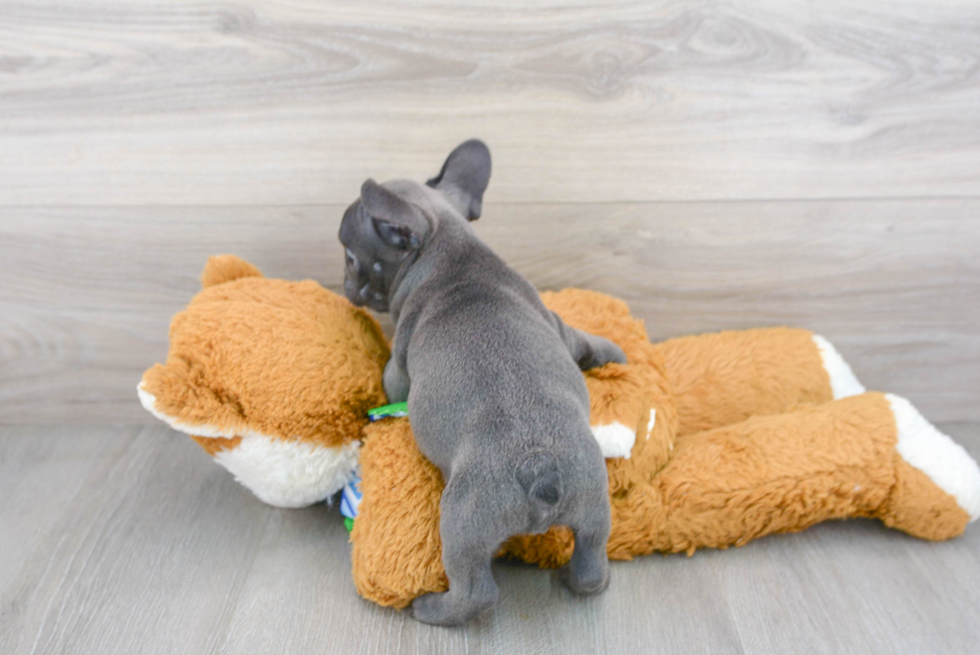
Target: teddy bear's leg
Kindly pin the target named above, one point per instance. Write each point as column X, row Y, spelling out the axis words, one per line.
column 930, row 468
column 723, row 378
column 868, row 455
column 397, row 549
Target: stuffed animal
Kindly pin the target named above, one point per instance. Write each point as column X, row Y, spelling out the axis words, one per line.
column 710, row 440
column 274, row 379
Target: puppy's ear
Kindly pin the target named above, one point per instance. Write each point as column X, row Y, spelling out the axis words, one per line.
column 397, row 223
column 464, row 177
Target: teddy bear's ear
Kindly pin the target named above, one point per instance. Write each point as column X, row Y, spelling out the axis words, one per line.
column 225, row 268
column 170, row 392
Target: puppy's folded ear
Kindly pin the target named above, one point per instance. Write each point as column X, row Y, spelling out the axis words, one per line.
column 397, row 223
column 464, row 177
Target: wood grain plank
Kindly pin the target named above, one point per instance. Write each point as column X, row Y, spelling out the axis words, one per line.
column 146, row 557
column 536, row 614
column 244, row 102
column 151, row 548
column 39, row 478
column 88, row 292
column 855, row 587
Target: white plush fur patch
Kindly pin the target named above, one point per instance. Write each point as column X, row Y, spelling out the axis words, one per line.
column 945, row 462
column 843, row 382
column 279, row 472
column 149, row 402
column 289, row 473
column 615, row 439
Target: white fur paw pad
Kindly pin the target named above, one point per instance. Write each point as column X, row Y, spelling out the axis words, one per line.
column 843, row 382
column 945, row 462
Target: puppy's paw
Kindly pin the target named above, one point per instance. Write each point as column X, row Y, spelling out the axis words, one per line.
column 395, row 382
column 431, row 609
column 445, row 609
column 592, row 580
column 615, row 354
column 600, row 351
column 605, row 352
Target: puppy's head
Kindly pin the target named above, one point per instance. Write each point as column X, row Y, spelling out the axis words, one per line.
column 385, row 229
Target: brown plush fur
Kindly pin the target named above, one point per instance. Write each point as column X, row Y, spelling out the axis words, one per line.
column 289, row 360
column 623, row 394
column 747, row 442
column 214, row 445
column 917, row 506
column 397, row 550
column 726, row 377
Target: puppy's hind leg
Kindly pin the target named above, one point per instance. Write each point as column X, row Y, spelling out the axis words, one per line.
column 469, row 540
column 588, row 571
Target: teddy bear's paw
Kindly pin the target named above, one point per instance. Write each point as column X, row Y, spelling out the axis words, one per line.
column 942, row 460
column 843, row 382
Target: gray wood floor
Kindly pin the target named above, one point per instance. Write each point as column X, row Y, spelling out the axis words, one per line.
column 130, row 540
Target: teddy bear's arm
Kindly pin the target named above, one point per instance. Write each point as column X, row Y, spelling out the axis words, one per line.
column 726, row 377
column 397, row 550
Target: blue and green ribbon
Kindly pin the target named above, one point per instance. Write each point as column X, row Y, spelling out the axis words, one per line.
column 350, row 496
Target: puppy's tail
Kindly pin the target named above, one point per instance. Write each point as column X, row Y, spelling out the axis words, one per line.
column 541, row 481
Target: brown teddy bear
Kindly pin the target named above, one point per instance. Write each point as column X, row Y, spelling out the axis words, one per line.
column 710, row 440
column 273, row 378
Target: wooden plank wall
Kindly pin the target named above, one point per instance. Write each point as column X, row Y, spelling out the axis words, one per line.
column 717, row 165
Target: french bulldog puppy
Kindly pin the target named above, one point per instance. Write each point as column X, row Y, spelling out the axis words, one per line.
column 492, row 379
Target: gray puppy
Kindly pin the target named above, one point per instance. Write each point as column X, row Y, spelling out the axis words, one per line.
column 492, row 378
